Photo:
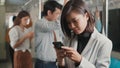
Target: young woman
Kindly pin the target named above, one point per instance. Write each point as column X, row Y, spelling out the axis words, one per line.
column 20, row 41
column 84, row 46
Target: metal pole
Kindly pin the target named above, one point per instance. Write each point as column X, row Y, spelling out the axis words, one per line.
column 40, row 2
column 105, row 16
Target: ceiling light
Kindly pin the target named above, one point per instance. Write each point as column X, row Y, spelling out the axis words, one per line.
column 2, row 2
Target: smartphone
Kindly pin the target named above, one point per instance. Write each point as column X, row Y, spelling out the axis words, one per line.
column 58, row 45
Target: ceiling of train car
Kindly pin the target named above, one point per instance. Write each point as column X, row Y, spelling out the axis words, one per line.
column 16, row 2
column 115, row 3
column 13, row 5
column 112, row 4
column 16, row 5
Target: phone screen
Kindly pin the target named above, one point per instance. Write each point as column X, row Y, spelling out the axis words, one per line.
column 58, row 45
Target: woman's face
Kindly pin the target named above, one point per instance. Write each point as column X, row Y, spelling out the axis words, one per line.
column 77, row 22
column 25, row 21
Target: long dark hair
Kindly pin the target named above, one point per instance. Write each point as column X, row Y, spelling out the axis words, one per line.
column 20, row 15
column 80, row 7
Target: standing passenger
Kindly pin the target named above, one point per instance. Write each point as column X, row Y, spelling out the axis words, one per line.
column 98, row 23
column 20, row 41
column 45, row 35
column 10, row 49
column 84, row 46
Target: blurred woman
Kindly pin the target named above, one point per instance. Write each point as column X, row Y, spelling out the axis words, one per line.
column 20, row 38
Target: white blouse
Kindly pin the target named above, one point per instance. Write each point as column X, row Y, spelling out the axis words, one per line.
column 15, row 34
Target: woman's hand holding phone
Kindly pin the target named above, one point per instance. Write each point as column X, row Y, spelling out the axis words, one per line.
column 72, row 54
column 60, row 53
column 64, row 51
